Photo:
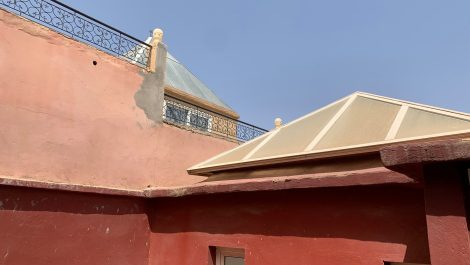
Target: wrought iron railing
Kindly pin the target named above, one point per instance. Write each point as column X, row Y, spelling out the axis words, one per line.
column 78, row 25
column 182, row 113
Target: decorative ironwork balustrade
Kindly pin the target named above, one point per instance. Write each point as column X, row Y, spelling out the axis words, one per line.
column 80, row 26
column 182, row 113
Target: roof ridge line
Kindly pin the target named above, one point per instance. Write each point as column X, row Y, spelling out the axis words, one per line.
column 230, row 150
column 257, row 147
column 330, row 123
column 411, row 103
column 193, row 76
column 317, row 110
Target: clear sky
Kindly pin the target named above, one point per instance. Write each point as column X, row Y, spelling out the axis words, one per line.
column 270, row 59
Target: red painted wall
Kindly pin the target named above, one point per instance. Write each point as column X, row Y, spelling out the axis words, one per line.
column 447, row 225
column 39, row 227
column 319, row 226
column 362, row 225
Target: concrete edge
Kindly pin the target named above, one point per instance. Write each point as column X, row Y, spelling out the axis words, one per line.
column 427, row 152
column 371, row 176
column 30, row 183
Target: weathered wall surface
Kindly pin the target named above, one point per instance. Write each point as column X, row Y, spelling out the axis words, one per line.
column 319, row 226
column 48, row 227
column 64, row 119
column 446, row 215
column 179, row 149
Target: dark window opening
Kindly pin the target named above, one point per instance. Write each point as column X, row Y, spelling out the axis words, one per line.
column 201, row 123
column 226, row 256
column 176, row 114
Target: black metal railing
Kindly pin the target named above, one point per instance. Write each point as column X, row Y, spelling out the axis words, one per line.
column 78, row 25
column 182, row 113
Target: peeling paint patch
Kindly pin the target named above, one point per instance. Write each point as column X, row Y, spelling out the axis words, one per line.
column 150, row 95
column 107, row 230
column 178, row 192
column 6, row 254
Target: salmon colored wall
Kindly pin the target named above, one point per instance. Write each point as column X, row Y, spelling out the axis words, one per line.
column 39, row 227
column 179, row 149
column 320, row 226
column 64, row 119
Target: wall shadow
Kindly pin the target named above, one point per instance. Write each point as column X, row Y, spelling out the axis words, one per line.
column 387, row 214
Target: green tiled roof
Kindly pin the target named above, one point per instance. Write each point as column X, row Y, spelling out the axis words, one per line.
column 178, row 76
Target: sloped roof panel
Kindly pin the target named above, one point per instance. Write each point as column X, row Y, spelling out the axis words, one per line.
column 238, row 153
column 358, row 122
column 298, row 134
column 420, row 122
column 178, row 76
column 375, row 115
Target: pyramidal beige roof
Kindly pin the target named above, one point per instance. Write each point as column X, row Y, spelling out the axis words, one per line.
column 358, row 123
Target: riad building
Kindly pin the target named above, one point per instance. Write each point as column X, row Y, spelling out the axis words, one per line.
column 113, row 152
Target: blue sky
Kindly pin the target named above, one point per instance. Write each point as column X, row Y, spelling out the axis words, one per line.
column 270, row 59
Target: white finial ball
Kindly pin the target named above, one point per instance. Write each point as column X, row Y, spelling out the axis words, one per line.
column 157, row 34
column 278, row 122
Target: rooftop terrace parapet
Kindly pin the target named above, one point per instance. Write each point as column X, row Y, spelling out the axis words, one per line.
column 75, row 24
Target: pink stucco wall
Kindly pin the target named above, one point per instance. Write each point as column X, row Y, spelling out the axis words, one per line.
column 67, row 120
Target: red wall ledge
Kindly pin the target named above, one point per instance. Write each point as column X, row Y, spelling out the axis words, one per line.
column 373, row 176
column 415, row 153
column 30, row 183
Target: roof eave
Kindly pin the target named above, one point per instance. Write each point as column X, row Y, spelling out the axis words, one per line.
column 322, row 154
column 180, row 94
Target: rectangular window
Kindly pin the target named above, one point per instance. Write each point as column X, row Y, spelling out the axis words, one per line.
column 230, row 256
column 201, row 123
column 176, row 114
